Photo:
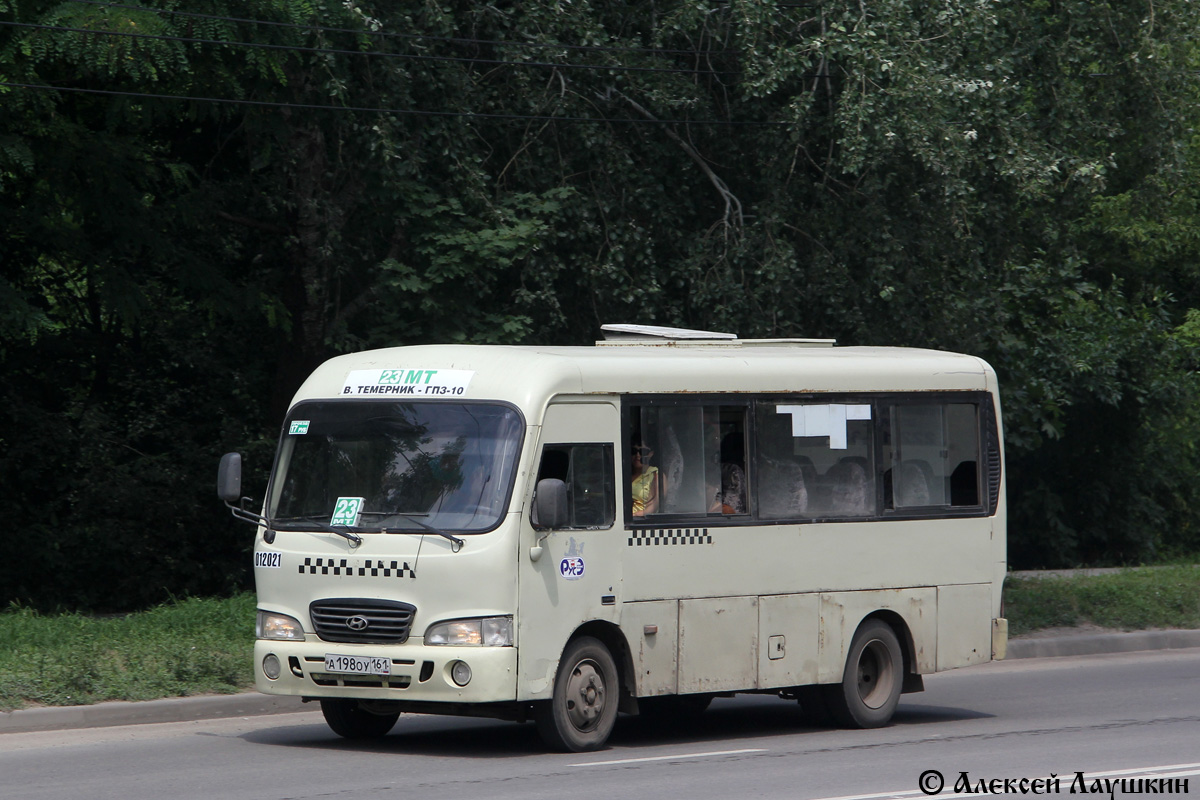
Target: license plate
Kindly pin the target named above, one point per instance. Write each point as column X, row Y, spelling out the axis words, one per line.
column 357, row 665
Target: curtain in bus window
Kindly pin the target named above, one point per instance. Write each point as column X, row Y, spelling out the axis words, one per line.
column 814, row 460
column 932, row 454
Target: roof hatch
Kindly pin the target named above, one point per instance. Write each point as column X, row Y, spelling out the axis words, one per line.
column 626, row 334
column 641, row 333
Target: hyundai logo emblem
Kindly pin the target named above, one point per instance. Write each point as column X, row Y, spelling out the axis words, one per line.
column 357, row 623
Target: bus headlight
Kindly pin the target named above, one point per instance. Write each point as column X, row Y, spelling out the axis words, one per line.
column 478, row 632
column 270, row 625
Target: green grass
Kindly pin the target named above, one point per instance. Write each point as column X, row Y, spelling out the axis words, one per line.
column 1134, row 599
column 203, row 646
column 197, row 646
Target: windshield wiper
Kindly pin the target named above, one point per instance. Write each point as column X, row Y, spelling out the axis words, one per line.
column 344, row 531
column 457, row 542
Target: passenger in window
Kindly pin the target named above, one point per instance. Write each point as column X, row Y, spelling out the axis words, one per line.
column 733, row 472
column 718, row 504
column 645, row 481
column 715, row 492
column 733, row 489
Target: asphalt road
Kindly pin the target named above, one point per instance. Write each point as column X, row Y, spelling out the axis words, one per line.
column 1101, row 715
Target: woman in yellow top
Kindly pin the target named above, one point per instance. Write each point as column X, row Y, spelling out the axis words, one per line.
column 645, row 482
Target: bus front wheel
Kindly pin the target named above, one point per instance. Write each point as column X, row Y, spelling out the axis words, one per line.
column 352, row 719
column 870, row 689
column 583, row 709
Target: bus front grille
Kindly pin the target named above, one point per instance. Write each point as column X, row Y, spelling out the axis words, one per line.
column 361, row 681
column 358, row 621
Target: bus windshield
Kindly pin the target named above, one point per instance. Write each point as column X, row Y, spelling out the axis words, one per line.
column 374, row 465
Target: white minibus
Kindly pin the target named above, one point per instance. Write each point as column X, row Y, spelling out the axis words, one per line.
column 560, row 534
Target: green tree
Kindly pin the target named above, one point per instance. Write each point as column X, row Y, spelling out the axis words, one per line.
column 1002, row 179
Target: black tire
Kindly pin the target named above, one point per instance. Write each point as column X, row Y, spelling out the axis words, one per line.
column 872, row 680
column 581, row 714
column 351, row 719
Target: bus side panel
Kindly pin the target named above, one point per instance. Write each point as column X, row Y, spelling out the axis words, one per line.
column 788, row 640
column 718, row 644
column 963, row 638
column 803, row 558
column 843, row 612
column 652, row 631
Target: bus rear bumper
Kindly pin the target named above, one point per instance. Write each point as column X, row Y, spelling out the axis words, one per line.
column 999, row 638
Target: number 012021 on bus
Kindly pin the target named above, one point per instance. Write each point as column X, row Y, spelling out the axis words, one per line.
column 563, row 534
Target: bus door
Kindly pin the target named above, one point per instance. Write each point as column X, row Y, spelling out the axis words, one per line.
column 570, row 575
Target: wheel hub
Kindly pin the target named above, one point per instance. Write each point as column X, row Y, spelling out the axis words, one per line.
column 585, row 695
column 876, row 674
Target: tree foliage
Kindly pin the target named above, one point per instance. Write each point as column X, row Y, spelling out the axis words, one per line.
column 1015, row 180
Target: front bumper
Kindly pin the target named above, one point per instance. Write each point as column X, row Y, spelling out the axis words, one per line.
column 418, row 673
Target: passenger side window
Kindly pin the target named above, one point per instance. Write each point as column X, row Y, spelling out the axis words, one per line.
column 931, row 455
column 687, row 460
column 587, row 470
column 814, row 460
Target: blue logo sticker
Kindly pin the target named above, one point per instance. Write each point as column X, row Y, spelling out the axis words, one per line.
column 571, row 568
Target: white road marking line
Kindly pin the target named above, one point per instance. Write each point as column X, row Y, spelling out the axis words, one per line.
column 877, row 796
column 1167, row 771
column 1140, row 770
column 666, row 758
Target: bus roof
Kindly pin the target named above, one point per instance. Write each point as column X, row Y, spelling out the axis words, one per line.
column 528, row 376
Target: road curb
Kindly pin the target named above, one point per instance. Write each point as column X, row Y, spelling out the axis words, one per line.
column 174, row 709
column 1100, row 643
column 252, row 704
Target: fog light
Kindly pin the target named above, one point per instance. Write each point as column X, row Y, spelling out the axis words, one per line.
column 271, row 666
column 460, row 673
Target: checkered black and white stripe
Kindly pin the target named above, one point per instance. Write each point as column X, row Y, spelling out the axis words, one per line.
column 670, row 536
column 341, row 566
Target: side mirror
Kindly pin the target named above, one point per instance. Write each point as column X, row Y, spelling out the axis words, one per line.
column 229, row 478
column 550, row 504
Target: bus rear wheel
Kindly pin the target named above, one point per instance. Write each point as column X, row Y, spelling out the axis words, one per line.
column 581, row 714
column 870, row 689
column 352, row 719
